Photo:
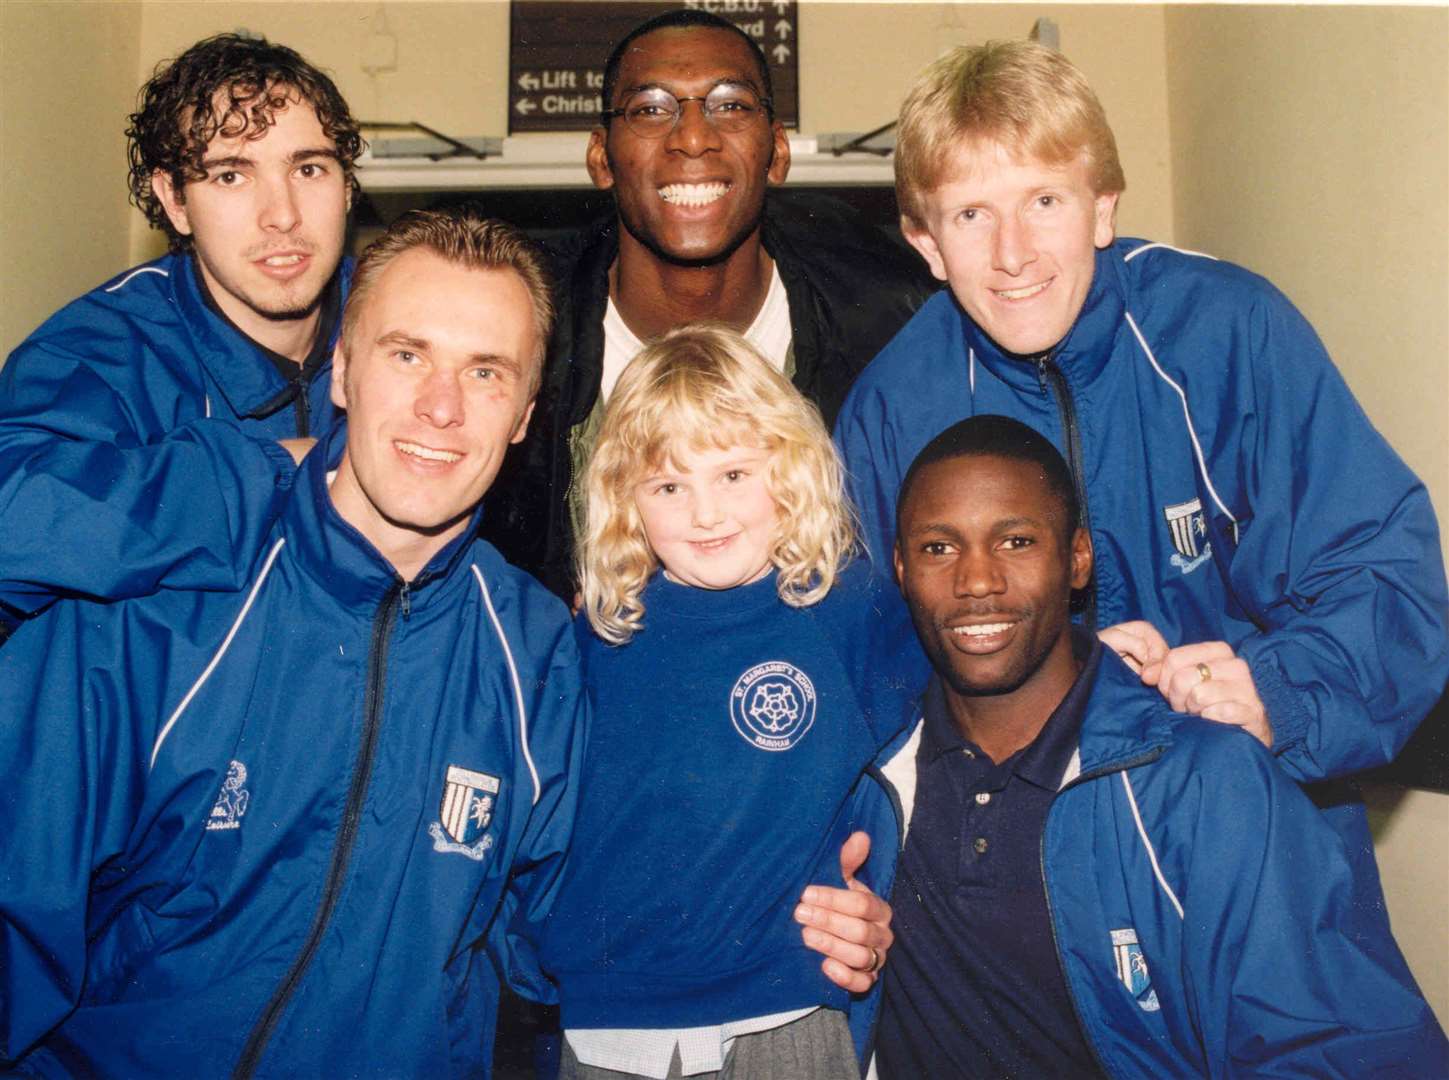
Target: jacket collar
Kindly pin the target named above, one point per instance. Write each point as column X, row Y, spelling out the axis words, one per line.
column 1120, row 722
column 1084, row 353
column 247, row 380
column 343, row 561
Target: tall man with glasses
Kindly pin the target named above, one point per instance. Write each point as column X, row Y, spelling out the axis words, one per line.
column 689, row 144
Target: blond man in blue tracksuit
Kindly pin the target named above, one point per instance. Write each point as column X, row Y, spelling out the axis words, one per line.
column 1261, row 551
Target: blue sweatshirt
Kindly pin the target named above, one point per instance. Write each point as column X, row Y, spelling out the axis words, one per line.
column 728, row 736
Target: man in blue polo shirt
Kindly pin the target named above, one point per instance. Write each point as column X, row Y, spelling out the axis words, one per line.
column 1091, row 883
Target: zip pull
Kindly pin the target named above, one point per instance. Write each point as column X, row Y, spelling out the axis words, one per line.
column 406, row 595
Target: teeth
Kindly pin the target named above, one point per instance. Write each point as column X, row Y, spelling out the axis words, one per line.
column 284, row 260
column 984, row 630
column 1023, row 293
column 693, row 194
column 427, row 453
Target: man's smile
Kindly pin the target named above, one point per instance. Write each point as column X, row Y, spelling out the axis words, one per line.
column 427, row 453
column 694, row 194
column 1024, row 292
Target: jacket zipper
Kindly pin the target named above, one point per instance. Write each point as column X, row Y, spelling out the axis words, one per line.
column 382, row 624
column 304, row 411
column 1048, row 372
column 1088, row 1037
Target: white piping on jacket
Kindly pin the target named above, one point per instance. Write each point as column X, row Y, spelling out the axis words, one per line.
column 900, row 770
column 1151, row 851
column 226, row 644
column 1187, row 415
column 971, row 357
column 1181, row 251
column 139, row 270
column 517, row 686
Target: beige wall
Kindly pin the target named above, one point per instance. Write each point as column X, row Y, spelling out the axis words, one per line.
column 858, row 60
column 67, row 81
column 1312, row 145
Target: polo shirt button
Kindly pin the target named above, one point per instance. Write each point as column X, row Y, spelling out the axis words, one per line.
column 980, row 845
column 982, row 798
column 968, row 753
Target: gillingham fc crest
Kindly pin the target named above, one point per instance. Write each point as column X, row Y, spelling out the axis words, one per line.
column 465, row 813
column 1131, row 967
column 773, row 705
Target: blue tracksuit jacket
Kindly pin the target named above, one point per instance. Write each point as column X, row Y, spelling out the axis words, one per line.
column 297, row 830
column 109, row 479
column 1234, row 489
column 1207, row 918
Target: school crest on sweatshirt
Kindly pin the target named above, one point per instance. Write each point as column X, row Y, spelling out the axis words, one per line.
column 772, row 705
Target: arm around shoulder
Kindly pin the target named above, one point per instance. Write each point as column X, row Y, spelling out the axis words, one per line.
column 1339, row 565
column 96, row 498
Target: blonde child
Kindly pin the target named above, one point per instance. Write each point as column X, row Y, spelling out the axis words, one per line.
column 743, row 679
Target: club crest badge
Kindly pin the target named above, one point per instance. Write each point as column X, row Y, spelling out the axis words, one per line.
column 772, row 705
column 231, row 804
column 1188, row 527
column 1132, row 969
column 465, row 813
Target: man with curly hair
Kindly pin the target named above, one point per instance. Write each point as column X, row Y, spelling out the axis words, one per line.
column 242, row 152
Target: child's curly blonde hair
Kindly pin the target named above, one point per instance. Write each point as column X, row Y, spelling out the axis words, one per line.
column 704, row 386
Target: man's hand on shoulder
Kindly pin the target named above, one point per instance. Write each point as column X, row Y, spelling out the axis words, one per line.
column 1140, row 645
column 1205, row 679
column 850, row 927
column 1209, row 680
column 298, row 448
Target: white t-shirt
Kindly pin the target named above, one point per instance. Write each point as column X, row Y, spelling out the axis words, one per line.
column 770, row 333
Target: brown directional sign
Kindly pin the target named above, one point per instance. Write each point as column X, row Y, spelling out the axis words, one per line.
column 557, row 51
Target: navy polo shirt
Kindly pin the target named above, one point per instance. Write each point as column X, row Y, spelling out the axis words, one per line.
column 974, row 987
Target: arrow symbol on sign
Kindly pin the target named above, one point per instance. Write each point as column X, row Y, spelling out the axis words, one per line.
column 781, row 53
column 782, row 29
column 525, row 106
column 528, row 81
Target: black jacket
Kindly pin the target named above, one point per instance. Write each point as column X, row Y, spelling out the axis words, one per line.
column 850, row 288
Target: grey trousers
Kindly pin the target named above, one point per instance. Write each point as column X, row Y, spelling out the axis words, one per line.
column 815, row 1047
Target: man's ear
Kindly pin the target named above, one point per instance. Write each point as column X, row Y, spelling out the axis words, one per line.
column 899, row 564
column 780, row 159
column 1104, row 229
column 172, row 201
column 596, row 159
column 922, row 240
column 522, row 429
column 339, row 376
column 1081, row 558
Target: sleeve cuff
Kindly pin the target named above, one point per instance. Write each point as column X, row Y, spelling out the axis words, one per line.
column 1287, row 715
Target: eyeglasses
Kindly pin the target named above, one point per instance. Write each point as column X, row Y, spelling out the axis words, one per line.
column 654, row 112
